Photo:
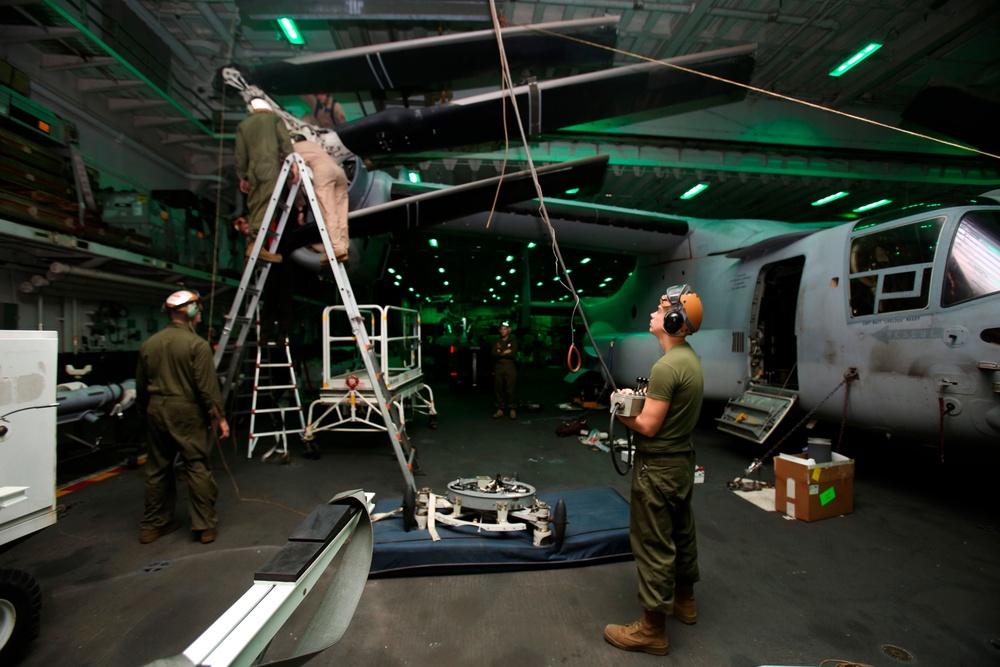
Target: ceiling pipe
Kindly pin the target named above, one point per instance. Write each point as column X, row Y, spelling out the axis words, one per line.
column 60, row 269
column 215, row 23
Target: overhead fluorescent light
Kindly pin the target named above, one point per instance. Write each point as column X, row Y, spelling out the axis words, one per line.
column 573, row 191
column 531, row 244
column 291, row 31
column 694, row 191
column 874, row 204
column 585, row 260
column 432, row 243
column 413, row 176
column 856, row 58
column 833, row 197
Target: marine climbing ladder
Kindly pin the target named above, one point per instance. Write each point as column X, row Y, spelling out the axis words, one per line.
column 275, row 397
column 240, row 319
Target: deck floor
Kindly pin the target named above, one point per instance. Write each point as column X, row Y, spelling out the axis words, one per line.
column 915, row 566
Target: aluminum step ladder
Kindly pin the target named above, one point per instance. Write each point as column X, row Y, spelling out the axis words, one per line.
column 275, row 397
column 404, row 451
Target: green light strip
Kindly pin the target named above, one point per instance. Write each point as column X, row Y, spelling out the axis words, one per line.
column 856, row 58
column 874, row 204
column 833, row 197
column 291, row 31
column 694, row 191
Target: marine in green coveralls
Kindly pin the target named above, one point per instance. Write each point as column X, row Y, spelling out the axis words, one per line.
column 661, row 526
column 505, row 373
column 177, row 392
column 262, row 144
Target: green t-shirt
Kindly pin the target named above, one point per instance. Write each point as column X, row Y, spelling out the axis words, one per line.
column 676, row 378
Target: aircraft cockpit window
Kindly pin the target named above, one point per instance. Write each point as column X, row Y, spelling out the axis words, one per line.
column 973, row 268
column 890, row 270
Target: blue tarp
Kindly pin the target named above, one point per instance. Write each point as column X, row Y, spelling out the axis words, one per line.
column 597, row 531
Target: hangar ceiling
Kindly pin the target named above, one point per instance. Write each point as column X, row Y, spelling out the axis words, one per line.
column 146, row 69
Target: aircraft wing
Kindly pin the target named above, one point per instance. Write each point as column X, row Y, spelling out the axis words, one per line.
column 550, row 105
column 419, row 63
column 436, row 205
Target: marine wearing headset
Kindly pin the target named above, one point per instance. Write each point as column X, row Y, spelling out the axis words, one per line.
column 662, row 530
column 177, row 392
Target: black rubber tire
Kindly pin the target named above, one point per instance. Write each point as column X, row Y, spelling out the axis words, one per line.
column 559, row 523
column 21, row 607
column 409, row 508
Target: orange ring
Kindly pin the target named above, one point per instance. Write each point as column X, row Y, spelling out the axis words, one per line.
column 569, row 356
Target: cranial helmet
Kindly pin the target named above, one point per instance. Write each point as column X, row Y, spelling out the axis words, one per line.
column 685, row 310
column 260, row 104
column 183, row 298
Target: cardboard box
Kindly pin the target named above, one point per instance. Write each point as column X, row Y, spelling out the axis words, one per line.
column 811, row 491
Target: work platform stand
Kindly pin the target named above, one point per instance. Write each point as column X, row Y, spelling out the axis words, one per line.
column 239, row 319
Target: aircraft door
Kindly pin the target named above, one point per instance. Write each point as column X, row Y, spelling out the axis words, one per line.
column 773, row 354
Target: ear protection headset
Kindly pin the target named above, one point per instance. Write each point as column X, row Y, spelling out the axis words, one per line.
column 677, row 318
column 186, row 299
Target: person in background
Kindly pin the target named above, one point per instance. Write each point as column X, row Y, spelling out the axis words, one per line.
column 327, row 111
column 178, row 396
column 262, row 144
column 661, row 519
column 505, row 373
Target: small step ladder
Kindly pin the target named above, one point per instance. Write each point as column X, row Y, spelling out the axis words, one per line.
column 274, row 381
column 239, row 318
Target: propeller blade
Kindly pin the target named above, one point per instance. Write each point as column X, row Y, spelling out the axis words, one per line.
column 550, row 105
column 433, row 206
column 422, row 64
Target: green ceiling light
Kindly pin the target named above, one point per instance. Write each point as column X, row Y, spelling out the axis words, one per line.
column 833, row 197
column 446, row 283
column 432, row 243
column 291, row 31
column 440, row 269
column 556, row 278
column 513, row 271
column 391, row 270
column 573, row 191
column 874, row 204
column 531, row 244
column 510, row 258
column 538, row 284
column 856, row 58
column 695, row 191
column 413, row 176
column 396, row 283
column 498, row 278
column 585, row 260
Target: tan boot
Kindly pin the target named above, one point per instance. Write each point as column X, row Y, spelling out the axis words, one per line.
column 685, row 610
column 647, row 635
column 498, row 414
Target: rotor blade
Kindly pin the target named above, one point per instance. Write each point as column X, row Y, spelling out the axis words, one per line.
column 454, row 202
column 421, row 63
column 550, row 105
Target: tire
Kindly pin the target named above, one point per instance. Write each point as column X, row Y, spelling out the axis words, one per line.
column 20, row 613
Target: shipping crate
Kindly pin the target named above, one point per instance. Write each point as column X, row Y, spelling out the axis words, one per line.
column 810, row 491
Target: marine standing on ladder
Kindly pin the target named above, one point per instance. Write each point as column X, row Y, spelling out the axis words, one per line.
column 330, row 184
column 177, row 393
column 505, row 373
column 262, row 143
column 661, row 519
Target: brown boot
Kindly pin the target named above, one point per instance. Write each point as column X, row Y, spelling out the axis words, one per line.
column 265, row 255
column 647, row 635
column 685, row 609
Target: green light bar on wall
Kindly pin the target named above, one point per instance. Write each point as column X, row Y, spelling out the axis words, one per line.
column 874, row 204
column 833, row 197
column 856, row 58
column 694, row 191
column 291, row 31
